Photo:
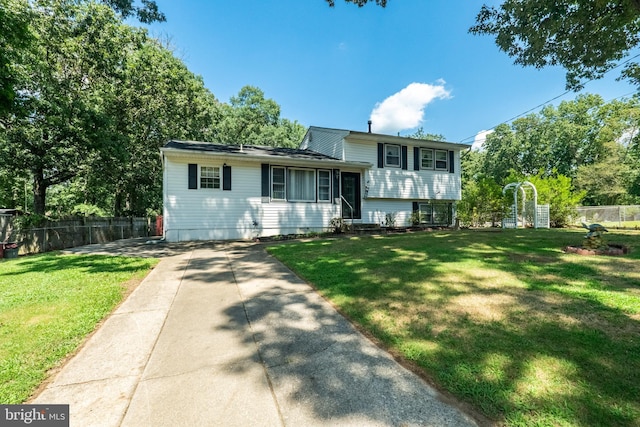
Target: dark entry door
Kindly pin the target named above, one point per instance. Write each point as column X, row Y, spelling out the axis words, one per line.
column 350, row 183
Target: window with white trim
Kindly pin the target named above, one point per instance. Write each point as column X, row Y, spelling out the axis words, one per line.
column 426, row 214
column 392, row 155
column 442, row 160
column 209, row 177
column 301, row 185
column 324, row 186
column 426, row 158
column 438, row 213
column 278, row 183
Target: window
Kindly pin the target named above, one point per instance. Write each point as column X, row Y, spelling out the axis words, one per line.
column 426, row 216
column 439, row 213
column 209, row 177
column 301, row 185
column 324, row 186
column 442, row 160
column 392, row 155
column 426, row 158
column 278, row 183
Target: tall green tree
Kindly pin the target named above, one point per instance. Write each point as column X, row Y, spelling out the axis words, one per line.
column 14, row 39
column 158, row 99
column 60, row 118
column 588, row 38
column 250, row 118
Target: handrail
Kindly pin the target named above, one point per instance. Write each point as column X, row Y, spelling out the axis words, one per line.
column 350, row 207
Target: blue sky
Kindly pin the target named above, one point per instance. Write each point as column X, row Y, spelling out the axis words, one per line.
column 411, row 64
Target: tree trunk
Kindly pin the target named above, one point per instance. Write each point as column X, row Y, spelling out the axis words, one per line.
column 39, row 193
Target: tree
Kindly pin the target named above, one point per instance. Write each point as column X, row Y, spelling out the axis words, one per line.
column 482, row 202
column 147, row 14
column 586, row 37
column 60, row 119
column 250, row 118
column 14, row 39
column 421, row 134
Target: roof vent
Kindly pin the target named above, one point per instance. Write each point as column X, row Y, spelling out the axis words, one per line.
column 369, row 123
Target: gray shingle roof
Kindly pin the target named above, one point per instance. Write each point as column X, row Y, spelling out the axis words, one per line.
column 248, row 150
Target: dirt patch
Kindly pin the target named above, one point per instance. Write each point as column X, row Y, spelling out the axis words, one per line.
column 612, row 249
column 483, row 307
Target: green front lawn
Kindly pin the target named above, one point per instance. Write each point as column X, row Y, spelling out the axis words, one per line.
column 48, row 304
column 504, row 320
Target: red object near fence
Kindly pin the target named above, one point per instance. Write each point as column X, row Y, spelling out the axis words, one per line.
column 159, row 229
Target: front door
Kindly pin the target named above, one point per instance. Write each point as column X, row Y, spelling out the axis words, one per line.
column 350, row 183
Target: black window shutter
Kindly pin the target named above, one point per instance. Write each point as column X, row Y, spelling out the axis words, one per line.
column 416, row 208
column 265, row 180
column 193, row 176
column 226, row 177
column 380, row 155
column 451, row 167
column 403, row 160
column 336, row 184
column 416, row 158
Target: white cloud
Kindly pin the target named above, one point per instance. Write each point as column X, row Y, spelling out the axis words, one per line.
column 405, row 109
column 478, row 141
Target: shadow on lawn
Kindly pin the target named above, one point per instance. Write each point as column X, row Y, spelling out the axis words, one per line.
column 546, row 353
column 53, row 262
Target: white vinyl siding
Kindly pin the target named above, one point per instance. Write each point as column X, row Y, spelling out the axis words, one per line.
column 325, row 141
column 232, row 215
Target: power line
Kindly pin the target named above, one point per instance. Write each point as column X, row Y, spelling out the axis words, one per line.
column 556, row 97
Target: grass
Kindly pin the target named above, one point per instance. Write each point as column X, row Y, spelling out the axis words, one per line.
column 506, row 321
column 48, row 304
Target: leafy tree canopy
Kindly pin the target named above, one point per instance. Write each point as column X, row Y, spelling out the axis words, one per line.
column 586, row 37
column 146, row 13
column 421, row 134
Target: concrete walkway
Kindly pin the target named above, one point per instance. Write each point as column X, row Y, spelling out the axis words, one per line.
column 223, row 334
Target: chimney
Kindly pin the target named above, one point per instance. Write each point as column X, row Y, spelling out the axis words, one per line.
column 369, row 123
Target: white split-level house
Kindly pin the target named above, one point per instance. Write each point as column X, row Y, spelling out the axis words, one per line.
column 229, row 192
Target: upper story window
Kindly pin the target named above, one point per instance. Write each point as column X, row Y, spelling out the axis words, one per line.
column 392, row 155
column 442, row 160
column 209, row 177
column 426, row 158
column 324, row 186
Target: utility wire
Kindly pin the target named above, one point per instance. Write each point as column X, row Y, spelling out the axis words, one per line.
column 556, row 97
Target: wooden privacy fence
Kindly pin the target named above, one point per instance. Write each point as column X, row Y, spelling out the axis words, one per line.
column 55, row 235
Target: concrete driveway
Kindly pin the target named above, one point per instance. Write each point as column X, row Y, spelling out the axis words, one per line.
column 224, row 334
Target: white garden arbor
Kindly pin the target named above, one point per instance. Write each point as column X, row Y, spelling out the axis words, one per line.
column 528, row 213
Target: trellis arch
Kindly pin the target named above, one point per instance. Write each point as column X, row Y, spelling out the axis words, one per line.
column 540, row 213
